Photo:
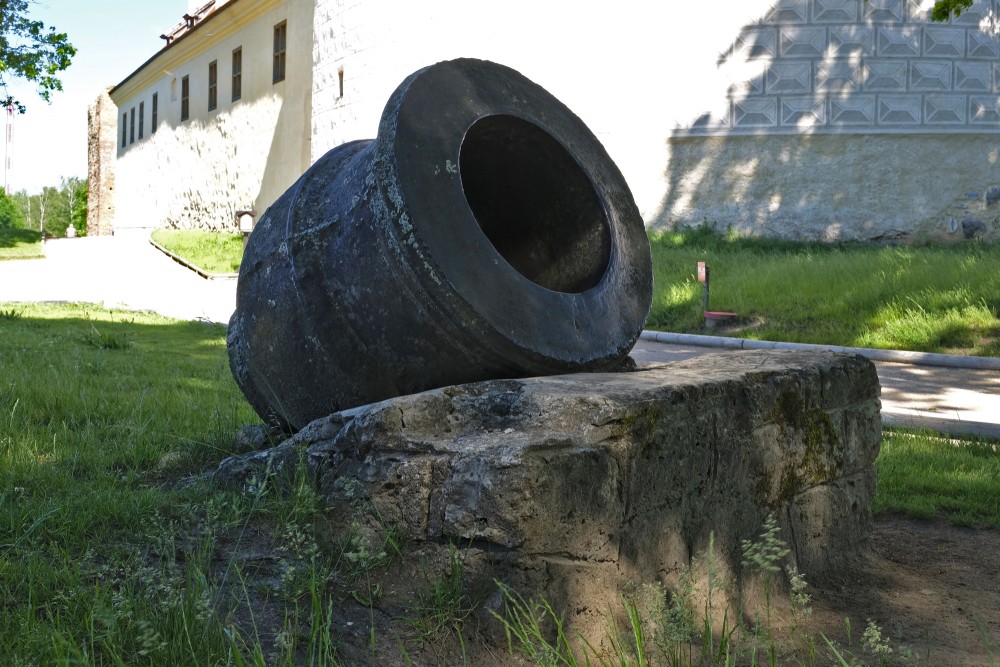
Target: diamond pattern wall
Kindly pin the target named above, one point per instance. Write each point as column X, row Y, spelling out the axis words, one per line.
column 864, row 66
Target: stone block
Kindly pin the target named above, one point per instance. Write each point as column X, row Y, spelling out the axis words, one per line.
column 944, row 109
column 898, row 110
column 944, row 42
column 895, row 42
column 878, row 11
column 852, row 40
column 789, row 77
column 972, row 76
column 885, row 75
column 571, row 486
column 855, row 110
column 930, row 75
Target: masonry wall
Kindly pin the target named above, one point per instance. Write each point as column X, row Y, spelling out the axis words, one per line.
column 828, row 119
column 101, row 136
column 847, row 119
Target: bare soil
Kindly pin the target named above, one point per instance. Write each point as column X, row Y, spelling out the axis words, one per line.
column 932, row 588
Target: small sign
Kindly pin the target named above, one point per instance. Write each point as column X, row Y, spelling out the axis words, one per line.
column 246, row 223
column 702, row 272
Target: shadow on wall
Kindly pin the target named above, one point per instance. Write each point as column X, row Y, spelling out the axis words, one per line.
column 846, row 119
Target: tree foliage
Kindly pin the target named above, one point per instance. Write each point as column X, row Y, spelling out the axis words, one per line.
column 10, row 214
column 54, row 208
column 943, row 9
column 30, row 50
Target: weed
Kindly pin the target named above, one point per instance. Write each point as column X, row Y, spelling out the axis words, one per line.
column 104, row 340
column 524, row 623
column 444, row 605
column 874, row 643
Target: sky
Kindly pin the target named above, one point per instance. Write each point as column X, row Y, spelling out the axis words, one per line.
column 112, row 39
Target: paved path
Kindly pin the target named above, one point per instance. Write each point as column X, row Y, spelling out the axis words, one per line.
column 125, row 271
column 122, row 271
column 959, row 401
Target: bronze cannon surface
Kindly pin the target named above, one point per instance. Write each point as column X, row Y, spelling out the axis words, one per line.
column 484, row 233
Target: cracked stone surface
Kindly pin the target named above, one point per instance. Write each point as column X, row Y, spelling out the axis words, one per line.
column 569, row 485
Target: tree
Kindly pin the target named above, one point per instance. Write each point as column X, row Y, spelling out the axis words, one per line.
column 10, row 214
column 30, row 50
column 75, row 191
column 943, row 9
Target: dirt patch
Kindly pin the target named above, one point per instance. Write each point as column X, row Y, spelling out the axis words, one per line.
column 932, row 587
column 933, row 590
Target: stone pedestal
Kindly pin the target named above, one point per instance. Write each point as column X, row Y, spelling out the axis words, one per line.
column 568, row 486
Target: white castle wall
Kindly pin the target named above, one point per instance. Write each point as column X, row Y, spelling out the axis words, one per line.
column 848, row 119
column 199, row 174
column 803, row 118
column 632, row 74
column 243, row 154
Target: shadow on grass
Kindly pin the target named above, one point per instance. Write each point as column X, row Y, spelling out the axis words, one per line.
column 928, row 298
column 20, row 244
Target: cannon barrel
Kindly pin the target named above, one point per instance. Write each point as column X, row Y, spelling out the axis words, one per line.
column 484, row 233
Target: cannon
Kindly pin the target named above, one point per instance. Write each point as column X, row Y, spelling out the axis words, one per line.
column 484, row 233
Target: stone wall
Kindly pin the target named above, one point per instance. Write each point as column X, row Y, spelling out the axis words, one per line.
column 886, row 188
column 632, row 75
column 102, row 119
column 570, row 487
column 849, row 120
column 198, row 174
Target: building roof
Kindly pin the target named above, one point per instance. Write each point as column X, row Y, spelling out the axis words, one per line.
column 191, row 23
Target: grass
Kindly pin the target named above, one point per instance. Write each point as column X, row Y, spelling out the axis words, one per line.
column 926, row 476
column 95, row 408
column 668, row 627
column 20, row 244
column 114, row 550
column 213, row 252
column 929, row 299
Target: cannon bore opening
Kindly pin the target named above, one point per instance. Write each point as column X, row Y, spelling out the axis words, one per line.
column 535, row 204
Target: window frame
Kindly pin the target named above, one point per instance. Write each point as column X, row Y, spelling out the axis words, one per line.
column 124, row 129
column 237, row 74
column 185, row 98
column 213, row 85
column 142, row 117
column 131, row 129
column 153, row 113
column 280, row 49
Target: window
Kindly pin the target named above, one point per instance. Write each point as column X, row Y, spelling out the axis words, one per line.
column 213, row 85
column 153, row 113
column 124, row 129
column 142, row 115
column 131, row 129
column 237, row 73
column 279, row 52
column 185, row 96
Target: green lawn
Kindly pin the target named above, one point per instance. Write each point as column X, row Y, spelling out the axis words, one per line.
column 114, row 551
column 926, row 476
column 97, row 410
column 930, row 299
column 20, row 244
column 213, row 252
